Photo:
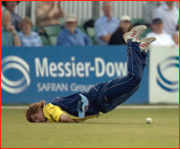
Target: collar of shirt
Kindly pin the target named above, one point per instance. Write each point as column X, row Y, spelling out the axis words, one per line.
column 13, row 13
column 68, row 32
column 21, row 32
column 106, row 18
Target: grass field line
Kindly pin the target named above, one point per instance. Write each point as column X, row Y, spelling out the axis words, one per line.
column 149, row 107
column 119, row 107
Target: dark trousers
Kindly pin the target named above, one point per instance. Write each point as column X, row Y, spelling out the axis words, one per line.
column 109, row 92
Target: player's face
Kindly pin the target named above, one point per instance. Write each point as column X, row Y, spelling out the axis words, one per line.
column 107, row 9
column 158, row 28
column 125, row 25
column 26, row 27
column 71, row 25
column 38, row 117
column 10, row 5
column 169, row 3
column 5, row 19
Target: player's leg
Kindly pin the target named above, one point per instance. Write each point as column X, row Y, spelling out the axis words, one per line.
column 135, row 66
column 135, row 63
column 144, row 45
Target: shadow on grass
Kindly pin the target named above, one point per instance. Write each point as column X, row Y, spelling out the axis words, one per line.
column 107, row 123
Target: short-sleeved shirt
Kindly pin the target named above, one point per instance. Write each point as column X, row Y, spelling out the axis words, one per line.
column 7, row 38
column 65, row 38
column 31, row 41
column 162, row 39
column 169, row 17
column 103, row 26
column 68, row 105
column 53, row 114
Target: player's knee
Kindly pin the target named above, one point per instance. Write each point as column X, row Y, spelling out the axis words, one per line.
column 135, row 81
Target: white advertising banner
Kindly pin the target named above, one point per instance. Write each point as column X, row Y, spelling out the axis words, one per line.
column 164, row 74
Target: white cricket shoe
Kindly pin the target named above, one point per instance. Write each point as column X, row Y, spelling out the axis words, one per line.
column 134, row 33
column 145, row 43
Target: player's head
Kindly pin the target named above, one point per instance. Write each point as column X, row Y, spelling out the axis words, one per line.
column 107, row 8
column 125, row 23
column 10, row 5
column 71, row 22
column 170, row 3
column 26, row 25
column 157, row 26
column 5, row 18
column 35, row 112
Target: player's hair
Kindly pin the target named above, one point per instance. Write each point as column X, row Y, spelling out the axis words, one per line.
column 33, row 109
column 26, row 20
column 5, row 12
column 105, row 2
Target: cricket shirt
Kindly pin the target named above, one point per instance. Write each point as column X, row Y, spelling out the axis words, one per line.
column 68, row 105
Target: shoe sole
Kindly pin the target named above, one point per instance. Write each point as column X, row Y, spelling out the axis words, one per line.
column 144, row 41
column 149, row 39
column 135, row 28
column 139, row 26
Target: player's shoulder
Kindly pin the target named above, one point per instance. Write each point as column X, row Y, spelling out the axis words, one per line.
column 116, row 20
column 63, row 32
column 52, row 112
column 46, row 107
column 34, row 34
column 50, row 108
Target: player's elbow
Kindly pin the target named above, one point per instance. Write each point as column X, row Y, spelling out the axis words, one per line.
column 65, row 119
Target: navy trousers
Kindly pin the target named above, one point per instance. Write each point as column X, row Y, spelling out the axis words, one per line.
column 108, row 95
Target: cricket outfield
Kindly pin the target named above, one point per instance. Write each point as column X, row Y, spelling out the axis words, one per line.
column 121, row 128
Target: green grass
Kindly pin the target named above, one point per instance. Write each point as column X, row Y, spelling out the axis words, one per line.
column 122, row 128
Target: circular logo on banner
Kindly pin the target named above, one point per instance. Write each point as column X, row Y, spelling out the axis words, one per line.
column 168, row 78
column 17, row 86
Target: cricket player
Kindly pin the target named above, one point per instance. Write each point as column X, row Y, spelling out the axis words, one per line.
column 103, row 97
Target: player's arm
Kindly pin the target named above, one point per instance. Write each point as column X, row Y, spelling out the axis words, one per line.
column 176, row 39
column 66, row 119
column 101, row 32
column 106, row 38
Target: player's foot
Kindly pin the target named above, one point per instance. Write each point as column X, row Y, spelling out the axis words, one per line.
column 145, row 43
column 134, row 33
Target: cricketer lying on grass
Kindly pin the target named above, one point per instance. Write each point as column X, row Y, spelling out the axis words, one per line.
column 102, row 97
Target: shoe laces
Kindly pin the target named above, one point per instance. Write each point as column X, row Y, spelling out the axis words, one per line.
column 136, row 40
